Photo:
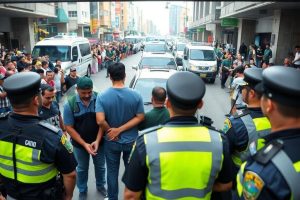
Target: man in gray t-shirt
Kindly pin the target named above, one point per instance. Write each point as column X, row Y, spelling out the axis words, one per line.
column 119, row 111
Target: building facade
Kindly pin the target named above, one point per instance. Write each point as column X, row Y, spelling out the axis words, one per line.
column 258, row 23
column 21, row 24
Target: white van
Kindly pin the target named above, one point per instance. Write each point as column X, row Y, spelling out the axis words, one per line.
column 72, row 51
column 200, row 59
column 136, row 41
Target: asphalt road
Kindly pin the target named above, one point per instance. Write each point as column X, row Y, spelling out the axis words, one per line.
column 216, row 105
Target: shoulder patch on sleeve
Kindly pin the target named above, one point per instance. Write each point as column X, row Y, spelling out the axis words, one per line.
column 151, row 129
column 253, row 185
column 227, row 125
column 66, row 143
column 49, row 126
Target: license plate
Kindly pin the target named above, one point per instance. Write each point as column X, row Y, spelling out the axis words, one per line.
column 202, row 75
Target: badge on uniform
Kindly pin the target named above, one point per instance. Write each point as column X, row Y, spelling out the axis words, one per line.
column 252, row 186
column 227, row 125
column 67, row 144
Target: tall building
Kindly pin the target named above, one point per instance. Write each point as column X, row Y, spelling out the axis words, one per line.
column 105, row 21
column 206, row 26
column 174, row 19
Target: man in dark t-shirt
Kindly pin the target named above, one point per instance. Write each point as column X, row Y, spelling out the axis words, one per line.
column 159, row 114
column 71, row 79
column 49, row 110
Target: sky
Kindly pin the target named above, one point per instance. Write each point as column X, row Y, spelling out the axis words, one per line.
column 156, row 10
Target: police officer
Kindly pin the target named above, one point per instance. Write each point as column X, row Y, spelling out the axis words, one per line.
column 274, row 172
column 183, row 158
column 32, row 152
column 249, row 124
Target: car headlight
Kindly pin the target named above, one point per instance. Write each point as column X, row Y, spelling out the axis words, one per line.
column 193, row 67
column 213, row 68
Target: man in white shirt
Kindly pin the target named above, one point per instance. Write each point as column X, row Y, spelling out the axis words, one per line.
column 296, row 60
column 237, row 98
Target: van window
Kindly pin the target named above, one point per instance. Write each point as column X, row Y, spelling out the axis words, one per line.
column 85, row 49
column 62, row 53
column 199, row 54
column 75, row 53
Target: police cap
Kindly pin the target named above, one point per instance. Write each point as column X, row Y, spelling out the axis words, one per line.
column 185, row 90
column 281, row 84
column 253, row 76
column 23, row 84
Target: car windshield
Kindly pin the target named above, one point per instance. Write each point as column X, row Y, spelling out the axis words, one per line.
column 131, row 40
column 62, row 53
column 148, row 39
column 144, row 87
column 158, row 63
column 180, row 47
column 155, row 48
column 205, row 55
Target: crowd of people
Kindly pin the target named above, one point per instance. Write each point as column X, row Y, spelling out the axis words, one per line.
column 248, row 159
column 230, row 67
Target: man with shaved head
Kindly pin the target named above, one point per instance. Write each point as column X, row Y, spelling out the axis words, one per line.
column 159, row 114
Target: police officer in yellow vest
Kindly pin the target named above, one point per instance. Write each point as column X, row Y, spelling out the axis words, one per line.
column 32, row 152
column 274, row 171
column 180, row 159
column 244, row 128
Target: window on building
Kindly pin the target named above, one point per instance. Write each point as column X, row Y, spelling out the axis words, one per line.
column 72, row 13
column 72, row 3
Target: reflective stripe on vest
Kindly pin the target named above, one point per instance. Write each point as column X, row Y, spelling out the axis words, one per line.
column 256, row 129
column 286, row 167
column 240, row 179
column 182, row 162
column 29, row 167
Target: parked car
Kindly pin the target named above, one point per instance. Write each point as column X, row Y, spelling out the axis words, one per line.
column 155, row 47
column 157, row 61
column 146, row 79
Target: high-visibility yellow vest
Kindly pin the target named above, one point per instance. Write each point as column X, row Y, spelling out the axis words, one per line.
column 183, row 162
column 28, row 165
column 256, row 129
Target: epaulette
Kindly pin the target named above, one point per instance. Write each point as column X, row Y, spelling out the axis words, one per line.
column 49, row 126
column 240, row 107
column 264, row 155
column 4, row 115
column 151, row 129
column 241, row 113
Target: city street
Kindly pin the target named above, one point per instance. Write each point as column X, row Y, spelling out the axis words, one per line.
column 216, row 105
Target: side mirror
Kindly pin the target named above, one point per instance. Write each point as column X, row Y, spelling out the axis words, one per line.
column 180, row 68
column 134, row 67
column 185, row 57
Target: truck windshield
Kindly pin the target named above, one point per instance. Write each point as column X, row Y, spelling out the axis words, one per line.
column 62, row 53
column 205, row 55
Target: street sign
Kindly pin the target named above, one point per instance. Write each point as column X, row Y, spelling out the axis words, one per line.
column 201, row 29
column 229, row 22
